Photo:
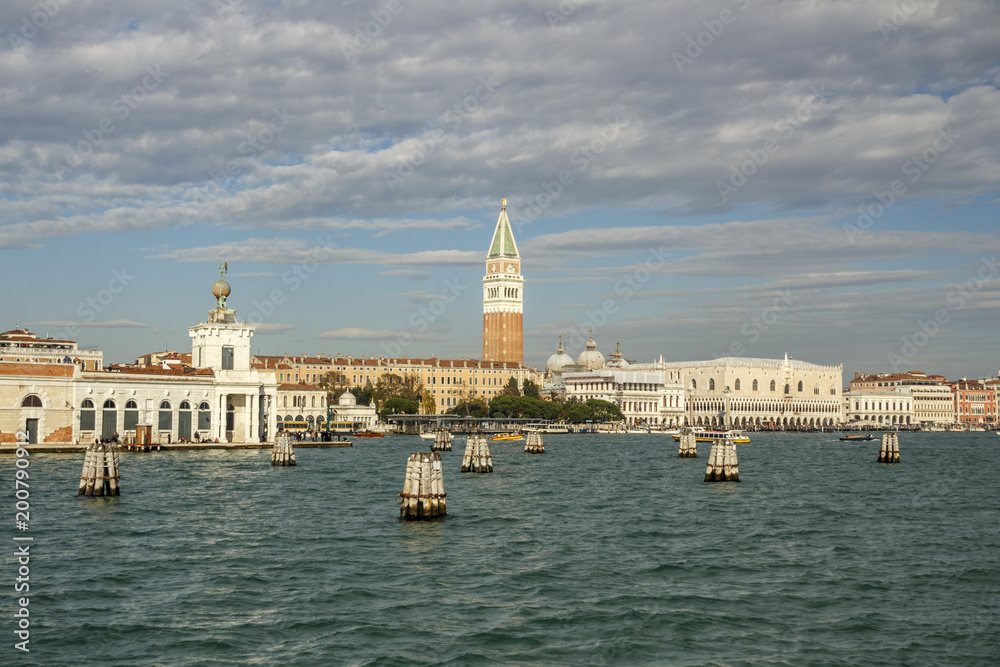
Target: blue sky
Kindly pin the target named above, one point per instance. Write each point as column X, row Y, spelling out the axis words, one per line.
column 745, row 177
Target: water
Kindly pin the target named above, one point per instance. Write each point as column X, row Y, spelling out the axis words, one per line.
column 605, row 550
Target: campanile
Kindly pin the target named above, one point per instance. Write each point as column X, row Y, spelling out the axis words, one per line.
column 503, row 296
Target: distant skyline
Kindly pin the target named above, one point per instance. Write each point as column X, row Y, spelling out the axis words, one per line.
column 741, row 177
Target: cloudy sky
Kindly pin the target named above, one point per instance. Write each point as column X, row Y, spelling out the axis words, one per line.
column 697, row 178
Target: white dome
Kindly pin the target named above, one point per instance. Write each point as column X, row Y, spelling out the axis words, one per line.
column 616, row 360
column 590, row 358
column 347, row 399
column 558, row 360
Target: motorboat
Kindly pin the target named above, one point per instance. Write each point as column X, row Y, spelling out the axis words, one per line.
column 507, row 436
column 703, row 435
column 857, row 437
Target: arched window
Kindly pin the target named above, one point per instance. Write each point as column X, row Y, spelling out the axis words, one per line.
column 284, row 401
column 131, row 415
column 166, row 420
column 204, row 416
column 31, row 401
column 694, row 384
column 788, row 389
column 109, row 404
column 800, row 386
column 87, row 415
column 833, row 390
column 737, row 384
column 816, row 390
column 711, row 384
column 755, row 385
column 772, row 385
column 185, row 405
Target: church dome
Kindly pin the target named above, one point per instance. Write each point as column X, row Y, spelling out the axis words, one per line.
column 558, row 360
column 590, row 358
column 616, row 360
column 347, row 399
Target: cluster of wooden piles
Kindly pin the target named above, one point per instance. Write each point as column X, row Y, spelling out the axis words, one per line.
column 423, row 495
column 100, row 470
column 722, row 463
column 282, row 453
column 688, row 448
column 533, row 443
column 889, row 451
column 477, row 454
column 442, row 441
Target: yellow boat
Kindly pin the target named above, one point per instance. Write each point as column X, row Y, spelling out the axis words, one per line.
column 507, row 436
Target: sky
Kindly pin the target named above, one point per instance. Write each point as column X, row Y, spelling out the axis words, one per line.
column 697, row 179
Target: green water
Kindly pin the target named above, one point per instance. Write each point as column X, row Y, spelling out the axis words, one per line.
column 604, row 550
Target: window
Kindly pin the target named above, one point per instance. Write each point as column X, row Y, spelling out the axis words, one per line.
column 711, row 384
column 755, row 385
column 31, row 401
column 131, row 415
column 87, row 415
column 204, row 416
column 227, row 357
column 737, row 384
column 166, row 417
column 772, row 385
column 788, row 389
column 694, row 384
column 800, row 386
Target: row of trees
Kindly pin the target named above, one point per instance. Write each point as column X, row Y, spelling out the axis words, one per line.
column 394, row 394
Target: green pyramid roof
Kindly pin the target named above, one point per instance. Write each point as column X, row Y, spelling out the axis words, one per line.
column 503, row 237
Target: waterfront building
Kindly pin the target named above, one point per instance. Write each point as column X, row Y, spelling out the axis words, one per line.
column 933, row 401
column 880, row 407
column 300, row 401
column 348, row 410
column 975, row 402
column 755, row 393
column 503, row 297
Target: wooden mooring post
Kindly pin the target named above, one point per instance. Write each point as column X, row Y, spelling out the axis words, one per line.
column 722, row 463
column 889, row 451
column 442, row 441
column 688, row 448
column 534, row 443
column 282, row 453
column 477, row 454
column 423, row 495
column 100, row 470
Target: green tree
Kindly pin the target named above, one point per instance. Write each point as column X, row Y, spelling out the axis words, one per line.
column 472, row 407
column 511, row 388
column 399, row 406
column 335, row 384
column 531, row 389
column 428, row 403
column 603, row 411
column 391, row 385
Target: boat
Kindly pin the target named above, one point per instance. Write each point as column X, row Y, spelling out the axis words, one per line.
column 427, row 436
column 552, row 428
column 507, row 436
column 702, row 435
column 367, row 434
column 857, row 437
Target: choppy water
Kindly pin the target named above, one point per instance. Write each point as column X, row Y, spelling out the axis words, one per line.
column 604, row 550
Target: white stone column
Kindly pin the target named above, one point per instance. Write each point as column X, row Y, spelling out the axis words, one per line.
column 220, row 423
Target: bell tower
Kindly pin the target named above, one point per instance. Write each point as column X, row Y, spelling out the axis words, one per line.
column 503, row 296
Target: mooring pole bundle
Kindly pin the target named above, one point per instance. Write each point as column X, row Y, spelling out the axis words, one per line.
column 722, row 463
column 423, row 495
column 442, row 441
column 533, row 443
column 477, row 454
column 99, row 476
column 889, row 451
column 282, row 453
column 688, row 448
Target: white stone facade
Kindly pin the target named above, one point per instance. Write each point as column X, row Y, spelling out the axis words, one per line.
column 880, row 407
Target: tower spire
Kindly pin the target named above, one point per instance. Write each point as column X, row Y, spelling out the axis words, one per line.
column 503, row 300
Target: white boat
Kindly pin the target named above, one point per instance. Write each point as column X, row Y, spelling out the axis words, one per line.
column 552, row 428
column 427, row 436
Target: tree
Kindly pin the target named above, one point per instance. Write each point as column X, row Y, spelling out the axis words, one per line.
column 603, row 411
column 428, row 403
column 335, row 384
column 531, row 389
column 511, row 388
column 472, row 407
column 391, row 385
column 398, row 406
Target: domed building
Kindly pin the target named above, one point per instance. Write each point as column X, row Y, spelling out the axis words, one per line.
column 616, row 360
column 558, row 360
column 590, row 359
column 348, row 410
